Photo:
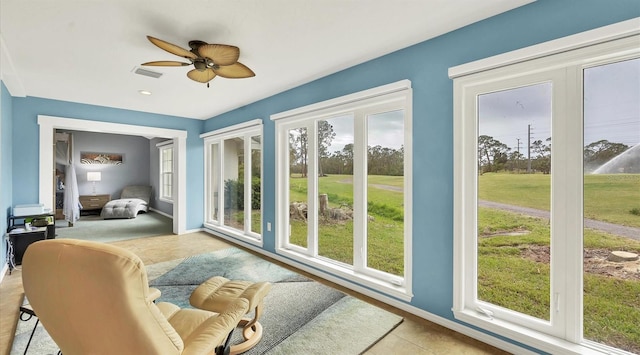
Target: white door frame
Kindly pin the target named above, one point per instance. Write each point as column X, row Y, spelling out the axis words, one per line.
column 48, row 125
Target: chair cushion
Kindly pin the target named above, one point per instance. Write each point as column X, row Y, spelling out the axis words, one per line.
column 189, row 324
column 217, row 293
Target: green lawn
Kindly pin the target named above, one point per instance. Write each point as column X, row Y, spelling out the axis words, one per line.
column 340, row 190
column 508, row 275
column 508, row 278
column 609, row 198
column 385, row 235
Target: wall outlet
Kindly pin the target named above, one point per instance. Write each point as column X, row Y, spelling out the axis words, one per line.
column 268, row 226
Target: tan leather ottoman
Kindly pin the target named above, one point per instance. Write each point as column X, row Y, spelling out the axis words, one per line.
column 216, row 293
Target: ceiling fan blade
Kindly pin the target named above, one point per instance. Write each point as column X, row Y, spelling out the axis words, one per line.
column 166, row 63
column 172, row 48
column 201, row 76
column 220, row 54
column 234, row 71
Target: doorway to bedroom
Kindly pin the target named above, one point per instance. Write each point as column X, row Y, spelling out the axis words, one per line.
column 149, row 135
column 116, row 179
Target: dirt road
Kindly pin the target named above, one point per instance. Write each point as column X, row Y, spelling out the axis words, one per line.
column 624, row 231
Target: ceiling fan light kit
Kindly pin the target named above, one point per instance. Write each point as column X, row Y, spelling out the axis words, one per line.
column 209, row 60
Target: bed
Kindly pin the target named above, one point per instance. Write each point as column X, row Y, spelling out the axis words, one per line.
column 134, row 199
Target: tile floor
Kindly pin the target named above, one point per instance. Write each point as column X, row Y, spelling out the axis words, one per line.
column 414, row 336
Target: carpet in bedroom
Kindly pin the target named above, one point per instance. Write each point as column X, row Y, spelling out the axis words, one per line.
column 110, row 230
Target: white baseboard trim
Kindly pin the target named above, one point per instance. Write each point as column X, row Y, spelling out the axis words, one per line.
column 5, row 268
column 455, row 326
column 160, row 212
column 194, row 230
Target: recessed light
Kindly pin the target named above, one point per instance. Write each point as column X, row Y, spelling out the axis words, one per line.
column 144, row 92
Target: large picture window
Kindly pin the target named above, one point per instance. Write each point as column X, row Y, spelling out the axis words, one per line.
column 233, row 181
column 344, row 187
column 547, row 184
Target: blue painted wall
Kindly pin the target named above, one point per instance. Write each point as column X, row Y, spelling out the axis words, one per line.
column 426, row 65
column 26, row 142
column 6, row 183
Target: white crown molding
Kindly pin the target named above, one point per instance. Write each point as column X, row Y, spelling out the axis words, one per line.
column 8, row 73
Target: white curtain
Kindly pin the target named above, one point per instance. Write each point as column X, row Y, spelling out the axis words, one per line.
column 64, row 155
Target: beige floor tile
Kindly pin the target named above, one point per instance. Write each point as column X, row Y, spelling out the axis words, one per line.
column 423, row 334
column 393, row 344
column 441, row 340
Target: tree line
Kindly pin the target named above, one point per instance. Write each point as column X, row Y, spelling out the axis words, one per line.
column 380, row 160
column 494, row 155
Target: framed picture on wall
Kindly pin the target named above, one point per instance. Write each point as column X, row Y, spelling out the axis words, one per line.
column 100, row 158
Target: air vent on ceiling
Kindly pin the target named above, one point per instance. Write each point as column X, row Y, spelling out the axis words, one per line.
column 146, row 72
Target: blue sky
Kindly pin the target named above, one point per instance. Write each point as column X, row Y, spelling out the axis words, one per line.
column 384, row 129
column 611, row 108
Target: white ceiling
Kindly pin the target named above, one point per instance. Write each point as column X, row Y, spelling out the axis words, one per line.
column 86, row 51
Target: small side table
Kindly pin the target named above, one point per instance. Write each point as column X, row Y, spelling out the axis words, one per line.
column 19, row 239
column 94, row 203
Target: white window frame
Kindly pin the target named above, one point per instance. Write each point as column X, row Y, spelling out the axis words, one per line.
column 561, row 62
column 162, row 147
column 395, row 96
column 244, row 130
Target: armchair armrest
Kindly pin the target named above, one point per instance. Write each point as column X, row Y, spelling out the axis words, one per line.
column 154, row 294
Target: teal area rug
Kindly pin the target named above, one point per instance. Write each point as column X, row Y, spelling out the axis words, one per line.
column 300, row 316
column 110, row 230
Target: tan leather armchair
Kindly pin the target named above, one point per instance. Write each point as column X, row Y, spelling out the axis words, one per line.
column 94, row 298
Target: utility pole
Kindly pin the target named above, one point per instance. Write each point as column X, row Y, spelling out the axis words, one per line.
column 518, row 156
column 529, row 149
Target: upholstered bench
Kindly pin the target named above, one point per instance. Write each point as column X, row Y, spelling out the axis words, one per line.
column 217, row 292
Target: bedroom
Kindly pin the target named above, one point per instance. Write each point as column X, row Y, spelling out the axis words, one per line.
column 138, row 165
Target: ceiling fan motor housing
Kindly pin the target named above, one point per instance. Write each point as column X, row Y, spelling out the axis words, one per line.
column 200, row 64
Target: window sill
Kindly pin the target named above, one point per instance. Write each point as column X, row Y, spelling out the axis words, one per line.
column 234, row 233
column 399, row 292
column 541, row 341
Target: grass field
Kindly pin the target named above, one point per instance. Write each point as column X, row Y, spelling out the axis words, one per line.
column 608, row 198
column 385, row 231
column 507, row 275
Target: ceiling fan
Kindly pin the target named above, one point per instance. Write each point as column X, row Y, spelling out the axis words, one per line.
column 209, row 60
